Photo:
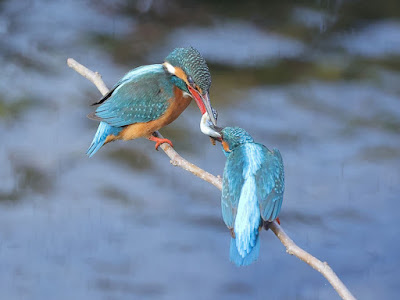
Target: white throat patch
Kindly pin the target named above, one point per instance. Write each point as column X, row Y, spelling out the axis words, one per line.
column 169, row 67
column 187, row 95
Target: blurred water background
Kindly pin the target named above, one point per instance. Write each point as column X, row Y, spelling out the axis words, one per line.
column 320, row 80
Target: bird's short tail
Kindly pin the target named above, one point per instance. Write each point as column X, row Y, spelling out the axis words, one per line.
column 250, row 257
column 103, row 131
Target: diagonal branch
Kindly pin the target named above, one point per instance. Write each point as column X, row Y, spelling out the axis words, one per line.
column 179, row 161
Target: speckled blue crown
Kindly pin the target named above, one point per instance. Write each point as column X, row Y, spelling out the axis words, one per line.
column 236, row 136
column 193, row 64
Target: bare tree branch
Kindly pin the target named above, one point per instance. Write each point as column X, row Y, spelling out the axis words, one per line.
column 179, row 161
column 94, row 77
column 314, row 262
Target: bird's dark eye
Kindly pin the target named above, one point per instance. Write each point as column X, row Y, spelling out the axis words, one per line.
column 190, row 80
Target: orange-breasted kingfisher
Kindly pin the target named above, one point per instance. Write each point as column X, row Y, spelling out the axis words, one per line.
column 150, row 97
column 252, row 189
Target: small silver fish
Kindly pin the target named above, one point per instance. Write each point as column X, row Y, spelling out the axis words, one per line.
column 207, row 127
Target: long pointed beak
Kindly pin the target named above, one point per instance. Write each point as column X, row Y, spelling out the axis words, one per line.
column 206, row 101
column 203, row 102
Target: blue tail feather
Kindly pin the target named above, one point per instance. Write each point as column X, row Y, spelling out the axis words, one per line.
column 251, row 257
column 103, row 131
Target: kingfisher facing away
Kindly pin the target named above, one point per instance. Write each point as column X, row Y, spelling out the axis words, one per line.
column 150, row 97
column 252, row 190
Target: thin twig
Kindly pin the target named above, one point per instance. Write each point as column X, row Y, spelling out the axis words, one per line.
column 314, row 262
column 179, row 161
column 94, row 77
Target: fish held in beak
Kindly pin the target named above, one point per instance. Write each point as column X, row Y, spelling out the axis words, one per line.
column 208, row 128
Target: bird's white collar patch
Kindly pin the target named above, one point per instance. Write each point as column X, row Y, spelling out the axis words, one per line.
column 169, row 67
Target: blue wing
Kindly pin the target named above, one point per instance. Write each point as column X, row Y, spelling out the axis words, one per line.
column 140, row 96
column 270, row 180
column 232, row 184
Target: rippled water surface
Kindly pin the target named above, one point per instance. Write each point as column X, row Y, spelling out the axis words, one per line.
column 319, row 81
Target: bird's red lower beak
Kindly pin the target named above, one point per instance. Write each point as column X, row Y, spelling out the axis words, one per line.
column 203, row 102
column 197, row 97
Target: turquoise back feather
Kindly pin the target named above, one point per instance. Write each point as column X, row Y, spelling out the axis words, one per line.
column 140, row 96
column 252, row 191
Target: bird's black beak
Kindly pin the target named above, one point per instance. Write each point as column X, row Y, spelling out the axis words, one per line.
column 203, row 102
column 206, row 101
column 220, row 138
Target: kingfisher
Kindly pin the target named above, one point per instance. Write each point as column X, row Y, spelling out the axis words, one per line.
column 252, row 189
column 150, row 97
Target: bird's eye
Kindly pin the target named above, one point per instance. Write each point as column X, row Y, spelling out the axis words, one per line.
column 190, row 80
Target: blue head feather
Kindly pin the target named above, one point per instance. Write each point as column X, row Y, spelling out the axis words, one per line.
column 236, row 136
column 193, row 64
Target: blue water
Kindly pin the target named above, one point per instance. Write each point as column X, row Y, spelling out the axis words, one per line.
column 319, row 82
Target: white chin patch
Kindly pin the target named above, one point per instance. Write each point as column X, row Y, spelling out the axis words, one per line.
column 169, row 67
column 187, row 95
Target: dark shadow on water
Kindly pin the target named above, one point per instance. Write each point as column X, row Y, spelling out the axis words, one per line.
column 132, row 158
column 116, row 195
column 214, row 222
column 236, row 288
column 109, row 285
column 29, row 180
column 13, row 109
column 379, row 154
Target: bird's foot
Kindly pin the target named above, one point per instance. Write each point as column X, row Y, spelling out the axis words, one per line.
column 266, row 224
column 160, row 141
